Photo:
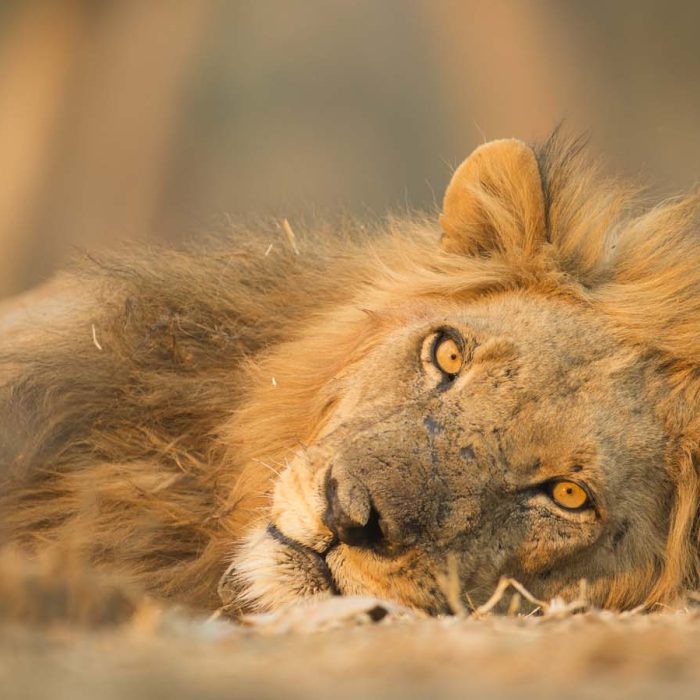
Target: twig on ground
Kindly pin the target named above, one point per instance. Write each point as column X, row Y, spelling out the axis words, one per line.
column 514, row 605
column 291, row 237
column 451, row 587
column 94, row 338
column 503, row 585
column 557, row 607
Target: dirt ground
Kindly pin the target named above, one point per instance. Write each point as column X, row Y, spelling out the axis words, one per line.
column 357, row 648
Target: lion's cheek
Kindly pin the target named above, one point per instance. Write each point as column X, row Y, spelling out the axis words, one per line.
column 542, row 549
column 403, row 580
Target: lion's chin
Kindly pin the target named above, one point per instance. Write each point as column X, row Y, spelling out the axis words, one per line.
column 270, row 570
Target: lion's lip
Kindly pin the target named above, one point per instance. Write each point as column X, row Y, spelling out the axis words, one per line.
column 319, row 558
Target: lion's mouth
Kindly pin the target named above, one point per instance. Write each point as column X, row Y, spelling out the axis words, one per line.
column 317, row 558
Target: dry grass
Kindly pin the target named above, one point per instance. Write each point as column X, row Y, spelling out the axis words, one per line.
column 339, row 648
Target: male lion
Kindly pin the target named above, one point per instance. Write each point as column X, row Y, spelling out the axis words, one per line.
column 357, row 416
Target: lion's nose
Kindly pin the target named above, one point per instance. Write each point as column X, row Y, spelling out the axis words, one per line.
column 350, row 513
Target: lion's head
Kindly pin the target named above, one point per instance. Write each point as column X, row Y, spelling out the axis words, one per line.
column 519, row 400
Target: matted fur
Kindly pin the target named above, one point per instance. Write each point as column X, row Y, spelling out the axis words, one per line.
column 145, row 427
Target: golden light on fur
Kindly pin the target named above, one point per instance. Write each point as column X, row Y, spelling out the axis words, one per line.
column 501, row 178
column 271, row 424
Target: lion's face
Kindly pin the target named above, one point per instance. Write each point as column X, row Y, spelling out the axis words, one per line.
column 511, row 435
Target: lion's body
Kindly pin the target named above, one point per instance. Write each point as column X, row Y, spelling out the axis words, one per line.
column 145, row 420
column 114, row 439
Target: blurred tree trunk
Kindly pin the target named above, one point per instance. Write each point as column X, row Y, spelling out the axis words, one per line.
column 504, row 62
column 89, row 99
column 35, row 61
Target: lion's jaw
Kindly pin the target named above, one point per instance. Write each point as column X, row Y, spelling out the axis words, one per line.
column 438, row 480
column 282, row 559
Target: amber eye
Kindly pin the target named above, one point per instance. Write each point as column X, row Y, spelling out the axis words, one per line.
column 569, row 495
column 447, row 355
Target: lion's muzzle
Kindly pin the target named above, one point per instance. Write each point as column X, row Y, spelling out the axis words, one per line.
column 351, row 515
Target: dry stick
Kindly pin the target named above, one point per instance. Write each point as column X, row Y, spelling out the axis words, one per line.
column 634, row 611
column 216, row 614
column 514, row 605
column 470, row 603
column 503, row 585
column 450, row 586
column 290, row 235
column 94, row 338
column 556, row 607
column 583, row 589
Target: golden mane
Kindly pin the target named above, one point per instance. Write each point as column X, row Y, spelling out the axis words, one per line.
column 204, row 376
column 603, row 245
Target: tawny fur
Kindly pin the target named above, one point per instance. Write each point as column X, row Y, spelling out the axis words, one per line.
column 145, row 427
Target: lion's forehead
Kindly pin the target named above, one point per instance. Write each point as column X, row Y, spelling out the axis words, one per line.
column 571, row 394
column 558, row 331
column 561, row 349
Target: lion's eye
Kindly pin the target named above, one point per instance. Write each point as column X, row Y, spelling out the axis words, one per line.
column 569, row 495
column 447, row 355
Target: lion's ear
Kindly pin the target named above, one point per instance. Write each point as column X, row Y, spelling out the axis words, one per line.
column 495, row 201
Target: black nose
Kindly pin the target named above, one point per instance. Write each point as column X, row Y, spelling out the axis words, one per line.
column 351, row 515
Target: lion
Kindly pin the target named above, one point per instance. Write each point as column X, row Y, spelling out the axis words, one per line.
column 509, row 389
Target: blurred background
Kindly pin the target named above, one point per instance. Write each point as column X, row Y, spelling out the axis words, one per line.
column 153, row 120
